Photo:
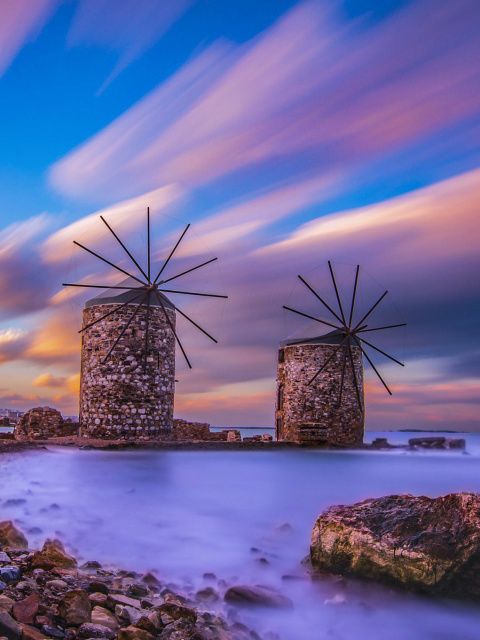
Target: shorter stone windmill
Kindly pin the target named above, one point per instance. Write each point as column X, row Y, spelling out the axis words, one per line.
column 320, row 397
column 128, row 348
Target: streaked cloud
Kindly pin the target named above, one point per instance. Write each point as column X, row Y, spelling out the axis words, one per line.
column 309, row 95
column 20, row 22
column 127, row 27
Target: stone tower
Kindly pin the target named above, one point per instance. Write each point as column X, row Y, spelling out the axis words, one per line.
column 310, row 413
column 119, row 398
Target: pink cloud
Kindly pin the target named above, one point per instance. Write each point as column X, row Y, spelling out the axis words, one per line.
column 20, row 22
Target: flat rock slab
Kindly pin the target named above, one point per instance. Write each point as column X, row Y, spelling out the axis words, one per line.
column 425, row 544
column 257, row 596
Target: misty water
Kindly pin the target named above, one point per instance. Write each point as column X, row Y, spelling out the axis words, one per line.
column 184, row 513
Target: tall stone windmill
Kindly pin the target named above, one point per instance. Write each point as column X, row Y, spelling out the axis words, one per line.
column 320, row 397
column 128, row 349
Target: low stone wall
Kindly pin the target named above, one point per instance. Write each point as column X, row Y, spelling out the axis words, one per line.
column 185, row 431
column 42, row 423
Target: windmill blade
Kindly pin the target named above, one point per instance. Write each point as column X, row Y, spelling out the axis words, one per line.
column 148, row 245
column 306, row 315
column 353, row 297
column 187, row 271
column 382, row 352
column 327, row 361
column 171, row 254
column 172, row 328
column 319, row 298
column 343, row 377
column 110, row 313
column 391, row 326
column 194, row 293
column 124, row 247
column 369, row 312
column 124, row 329
column 195, row 324
column 360, row 404
column 107, row 262
column 336, row 293
column 146, row 333
column 97, row 286
column 372, row 365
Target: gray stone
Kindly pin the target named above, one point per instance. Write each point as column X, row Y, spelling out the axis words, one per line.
column 8, row 627
column 91, row 630
column 9, row 573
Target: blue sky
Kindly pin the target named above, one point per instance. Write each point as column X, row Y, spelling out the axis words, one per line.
column 288, row 133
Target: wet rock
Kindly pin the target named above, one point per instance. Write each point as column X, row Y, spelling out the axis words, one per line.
column 258, row 596
column 52, row 555
column 9, row 573
column 151, row 580
column 147, row 625
column 129, row 614
column 91, row 565
column 156, row 619
column 425, row 544
column 132, row 633
column 30, row 633
column 75, row 607
column 56, row 585
column 117, row 598
column 53, row 632
column 6, row 604
column 97, row 598
column 181, row 630
column 8, row 627
column 25, row 610
column 104, row 617
column 4, row 557
column 96, row 586
column 175, row 610
column 91, row 630
column 207, row 595
column 136, row 590
column 11, row 537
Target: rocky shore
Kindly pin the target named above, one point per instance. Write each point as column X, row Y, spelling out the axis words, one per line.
column 45, row 594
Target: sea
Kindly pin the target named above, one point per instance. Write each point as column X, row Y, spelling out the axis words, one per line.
column 247, row 517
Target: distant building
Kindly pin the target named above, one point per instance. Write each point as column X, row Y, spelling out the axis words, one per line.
column 310, row 413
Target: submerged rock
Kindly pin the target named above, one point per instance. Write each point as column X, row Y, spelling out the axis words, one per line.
column 425, row 544
column 257, row 596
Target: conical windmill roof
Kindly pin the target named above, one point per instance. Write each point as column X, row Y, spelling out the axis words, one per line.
column 118, row 296
column 310, row 335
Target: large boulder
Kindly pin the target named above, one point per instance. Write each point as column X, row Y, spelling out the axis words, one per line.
column 425, row 544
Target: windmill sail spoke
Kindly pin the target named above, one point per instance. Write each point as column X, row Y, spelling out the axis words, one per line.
column 110, row 313
column 391, row 326
column 188, row 271
column 108, row 262
column 195, row 324
column 306, row 315
column 124, row 247
column 382, row 352
column 360, row 405
column 319, row 298
column 353, row 297
column 372, row 365
column 171, row 254
column 327, row 361
column 146, row 333
column 369, row 312
column 148, row 245
column 194, row 293
column 97, row 286
column 172, row 328
column 124, row 329
column 336, row 293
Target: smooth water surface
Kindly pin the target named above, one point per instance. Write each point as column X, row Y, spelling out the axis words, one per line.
column 187, row 512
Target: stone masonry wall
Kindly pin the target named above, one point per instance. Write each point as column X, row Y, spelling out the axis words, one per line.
column 310, row 413
column 119, row 399
column 43, row 422
column 186, row 431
